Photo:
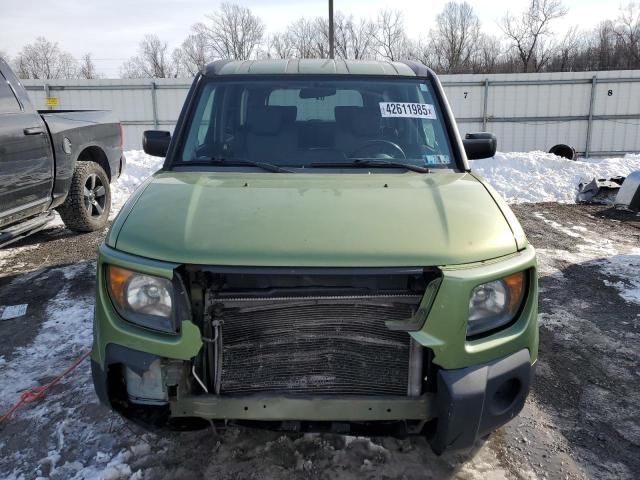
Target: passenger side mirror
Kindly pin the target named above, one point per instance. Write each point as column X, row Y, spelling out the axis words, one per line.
column 480, row 145
column 156, row 142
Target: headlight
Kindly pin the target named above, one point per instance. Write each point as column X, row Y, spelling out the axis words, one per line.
column 495, row 304
column 145, row 300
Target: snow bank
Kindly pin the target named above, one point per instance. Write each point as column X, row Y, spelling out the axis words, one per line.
column 139, row 167
column 518, row 177
column 543, row 177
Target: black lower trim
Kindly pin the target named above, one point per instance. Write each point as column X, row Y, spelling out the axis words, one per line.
column 99, row 377
column 474, row 401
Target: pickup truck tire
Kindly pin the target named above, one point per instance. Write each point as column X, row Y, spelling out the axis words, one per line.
column 88, row 203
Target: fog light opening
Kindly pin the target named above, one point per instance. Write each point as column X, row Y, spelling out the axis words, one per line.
column 506, row 395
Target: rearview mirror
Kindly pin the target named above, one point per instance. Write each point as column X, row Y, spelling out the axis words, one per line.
column 156, row 142
column 480, row 145
column 317, row 92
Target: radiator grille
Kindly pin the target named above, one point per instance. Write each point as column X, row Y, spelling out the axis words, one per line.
column 301, row 346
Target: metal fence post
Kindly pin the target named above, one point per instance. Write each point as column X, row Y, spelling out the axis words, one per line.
column 154, row 104
column 587, row 149
column 46, row 94
column 484, row 108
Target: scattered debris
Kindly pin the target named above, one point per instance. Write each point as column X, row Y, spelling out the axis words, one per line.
column 13, row 311
column 601, row 191
column 629, row 194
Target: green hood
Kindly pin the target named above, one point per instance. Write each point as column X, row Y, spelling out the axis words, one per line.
column 268, row 219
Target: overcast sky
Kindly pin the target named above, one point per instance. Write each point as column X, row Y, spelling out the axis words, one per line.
column 111, row 29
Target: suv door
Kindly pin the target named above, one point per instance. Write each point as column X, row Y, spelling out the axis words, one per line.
column 26, row 159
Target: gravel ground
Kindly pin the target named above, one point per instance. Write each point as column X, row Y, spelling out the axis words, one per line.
column 582, row 419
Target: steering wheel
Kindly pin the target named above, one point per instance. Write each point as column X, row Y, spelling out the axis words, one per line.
column 388, row 143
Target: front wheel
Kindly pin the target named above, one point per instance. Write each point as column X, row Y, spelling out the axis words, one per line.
column 88, row 203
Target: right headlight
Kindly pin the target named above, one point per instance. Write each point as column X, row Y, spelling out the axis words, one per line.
column 145, row 300
column 495, row 304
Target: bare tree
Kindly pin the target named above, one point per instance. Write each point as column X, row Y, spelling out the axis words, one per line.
column 567, row 51
column 152, row 60
column 422, row 51
column 456, row 37
column 488, row 55
column 321, row 37
column 302, row 34
column 628, row 33
column 309, row 38
column 87, row 68
column 603, row 45
column 529, row 33
column 44, row 59
column 5, row 56
column 281, row 45
column 354, row 39
column 233, row 32
column 391, row 40
column 194, row 53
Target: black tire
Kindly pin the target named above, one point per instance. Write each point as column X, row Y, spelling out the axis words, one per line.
column 564, row 151
column 88, row 203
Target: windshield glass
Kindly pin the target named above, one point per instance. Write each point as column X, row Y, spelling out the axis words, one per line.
column 301, row 123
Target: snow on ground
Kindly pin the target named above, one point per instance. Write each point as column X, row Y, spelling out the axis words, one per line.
column 67, row 438
column 517, row 176
column 139, row 167
column 620, row 268
column 63, row 336
column 543, row 177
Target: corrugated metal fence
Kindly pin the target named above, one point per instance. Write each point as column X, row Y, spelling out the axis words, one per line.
column 597, row 113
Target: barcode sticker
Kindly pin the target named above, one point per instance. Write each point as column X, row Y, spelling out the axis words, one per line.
column 407, row 109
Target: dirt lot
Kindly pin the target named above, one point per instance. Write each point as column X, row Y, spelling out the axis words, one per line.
column 581, row 421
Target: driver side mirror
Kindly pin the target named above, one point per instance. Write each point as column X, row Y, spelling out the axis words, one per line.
column 480, row 145
column 156, row 142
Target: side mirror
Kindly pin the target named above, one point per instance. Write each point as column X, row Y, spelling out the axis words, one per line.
column 156, row 142
column 480, row 145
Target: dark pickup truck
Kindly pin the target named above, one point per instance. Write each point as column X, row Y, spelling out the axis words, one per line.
column 53, row 159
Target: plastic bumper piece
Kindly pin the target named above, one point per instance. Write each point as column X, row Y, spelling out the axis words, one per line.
column 474, row 401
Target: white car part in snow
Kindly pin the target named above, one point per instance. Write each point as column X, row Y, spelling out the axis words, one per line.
column 629, row 193
column 13, row 311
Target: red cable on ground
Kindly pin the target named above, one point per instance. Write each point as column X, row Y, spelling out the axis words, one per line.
column 37, row 393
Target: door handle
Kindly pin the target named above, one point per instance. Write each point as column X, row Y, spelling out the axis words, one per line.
column 33, row 131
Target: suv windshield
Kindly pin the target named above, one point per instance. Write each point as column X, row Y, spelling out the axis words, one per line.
column 299, row 123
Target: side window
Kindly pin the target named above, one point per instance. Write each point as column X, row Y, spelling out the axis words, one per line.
column 8, row 101
column 322, row 108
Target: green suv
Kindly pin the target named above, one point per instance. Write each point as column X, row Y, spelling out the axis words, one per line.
column 316, row 255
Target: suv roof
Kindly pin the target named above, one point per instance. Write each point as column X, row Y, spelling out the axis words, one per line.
column 314, row 67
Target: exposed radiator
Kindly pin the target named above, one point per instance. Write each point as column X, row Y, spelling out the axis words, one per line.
column 315, row 345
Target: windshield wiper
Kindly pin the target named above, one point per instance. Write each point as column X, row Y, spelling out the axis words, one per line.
column 374, row 162
column 269, row 167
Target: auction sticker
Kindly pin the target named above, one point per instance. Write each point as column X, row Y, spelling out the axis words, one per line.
column 407, row 109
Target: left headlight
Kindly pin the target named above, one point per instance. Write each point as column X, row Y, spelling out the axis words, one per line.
column 143, row 299
column 495, row 304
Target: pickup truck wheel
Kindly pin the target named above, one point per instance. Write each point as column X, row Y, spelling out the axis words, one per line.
column 87, row 206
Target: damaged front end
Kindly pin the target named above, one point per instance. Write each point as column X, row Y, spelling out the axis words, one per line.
column 309, row 331
column 347, row 350
column 309, row 348
column 295, row 348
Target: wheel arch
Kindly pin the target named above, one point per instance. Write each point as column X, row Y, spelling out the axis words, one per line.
column 94, row 153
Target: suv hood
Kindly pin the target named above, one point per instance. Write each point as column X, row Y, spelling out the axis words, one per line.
column 350, row 220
